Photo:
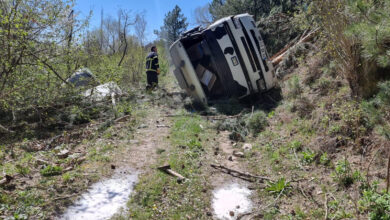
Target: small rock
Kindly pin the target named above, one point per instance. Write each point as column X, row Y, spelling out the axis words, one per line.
column 231, row 213
column 209, row 213
column 134, row 141
column 142, row 126
column 113, row 166
column 215, row 153
column 41, row 162
column 63, row 154
column 230, row 158
column 238, row 154
column 237, row 207
column 247, row 147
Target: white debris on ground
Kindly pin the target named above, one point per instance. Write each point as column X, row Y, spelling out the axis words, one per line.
column 103, row 199
column 100, row 92
column 230, row 201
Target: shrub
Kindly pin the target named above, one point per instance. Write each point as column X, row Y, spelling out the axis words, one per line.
column 308, row 156
column 377, row 204
column 257, row 122
column 294, row 88
column 278, row 187
column 324, row 159
column 344, row 175
column 297, row 145
column 51, row 171
column 303, row 107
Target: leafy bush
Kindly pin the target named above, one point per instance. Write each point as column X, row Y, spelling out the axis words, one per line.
column 377, row 204
column 294, row 87
column 303, row 107
column 51, row 170
column 344, row 175
column 297, row 145
column 278, row 187
column 324, row 159
column 257, row 122
column 308, row 156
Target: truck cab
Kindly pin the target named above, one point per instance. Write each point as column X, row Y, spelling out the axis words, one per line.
column 226, row 59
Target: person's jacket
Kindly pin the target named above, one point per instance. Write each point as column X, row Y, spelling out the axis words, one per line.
column 152, row 62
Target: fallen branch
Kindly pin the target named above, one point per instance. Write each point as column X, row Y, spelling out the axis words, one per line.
column 167, row 169
column 181, row 115
column 223, row 117
column 162, row 126
column 326, row 207
column 245, row 176
column 2, row 128
column 122, row 119
column 280, row 55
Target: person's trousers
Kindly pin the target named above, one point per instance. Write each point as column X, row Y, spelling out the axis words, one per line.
column 152, row 79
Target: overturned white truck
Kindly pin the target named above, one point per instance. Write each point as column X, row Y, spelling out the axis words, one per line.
column 226, row 59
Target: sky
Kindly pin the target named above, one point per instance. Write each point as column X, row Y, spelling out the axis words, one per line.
column 154, row 10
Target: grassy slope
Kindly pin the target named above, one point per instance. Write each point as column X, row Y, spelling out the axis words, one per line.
column 319, row 140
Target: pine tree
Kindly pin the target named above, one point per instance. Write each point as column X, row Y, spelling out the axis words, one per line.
column 174, row 24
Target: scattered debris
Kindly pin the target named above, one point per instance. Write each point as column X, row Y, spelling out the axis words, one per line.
column 247, row 147
column 41, row 162
column 238, row 154
column 99, row 93
column 63, row 154
column 244, row 176
column 167, row 169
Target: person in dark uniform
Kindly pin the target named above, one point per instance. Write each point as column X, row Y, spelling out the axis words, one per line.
column 152, row 69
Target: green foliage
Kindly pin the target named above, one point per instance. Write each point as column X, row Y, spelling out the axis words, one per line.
column 294, row 87
column 376, row 109
column 373, row 29
column 296, row 145
column 377, row 204
column 258, row 122
column 280, row 186
column 174, row 24
column 51, row 170
column 344, row 175
column 23, row 170
column 324, row 159
column 308, row 156
column 66, row 177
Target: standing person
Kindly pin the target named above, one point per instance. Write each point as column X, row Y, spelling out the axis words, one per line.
column 152, row 69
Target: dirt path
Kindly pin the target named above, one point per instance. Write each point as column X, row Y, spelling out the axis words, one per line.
column 231, row 195
column 148, row 138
